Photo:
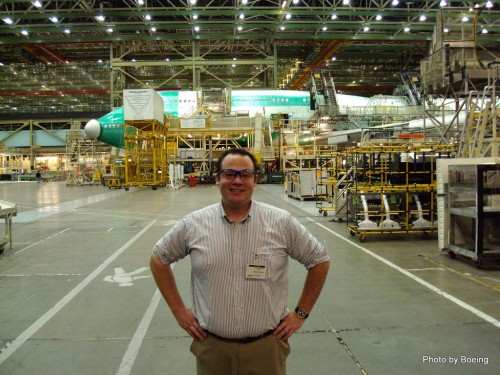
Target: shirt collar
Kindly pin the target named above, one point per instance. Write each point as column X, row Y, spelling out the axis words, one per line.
column 248, row 215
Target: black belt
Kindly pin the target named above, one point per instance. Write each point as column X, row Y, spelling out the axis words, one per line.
column 242, row 340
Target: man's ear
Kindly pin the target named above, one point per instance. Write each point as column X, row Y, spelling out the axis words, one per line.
column 217, row 179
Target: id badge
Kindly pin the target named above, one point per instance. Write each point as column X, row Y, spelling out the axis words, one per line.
column 256, row 271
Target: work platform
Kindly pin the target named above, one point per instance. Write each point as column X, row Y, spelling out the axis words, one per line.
column 78, row 297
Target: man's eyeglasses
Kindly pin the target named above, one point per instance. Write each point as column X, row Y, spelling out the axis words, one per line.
column 230, row 174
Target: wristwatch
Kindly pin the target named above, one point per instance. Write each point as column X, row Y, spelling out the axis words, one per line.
column 301, row 313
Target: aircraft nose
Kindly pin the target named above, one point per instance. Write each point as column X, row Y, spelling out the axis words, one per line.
column 93, row 129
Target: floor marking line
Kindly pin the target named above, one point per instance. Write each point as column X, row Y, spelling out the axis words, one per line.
column 45, row 239
column 494, row 287
column 136, row 342
column 11, row 347
column 435, row 289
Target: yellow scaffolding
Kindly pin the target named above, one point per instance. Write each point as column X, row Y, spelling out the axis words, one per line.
column 145, row 154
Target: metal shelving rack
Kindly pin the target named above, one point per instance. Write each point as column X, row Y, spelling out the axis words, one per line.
column 474, row 211
column 394, row 189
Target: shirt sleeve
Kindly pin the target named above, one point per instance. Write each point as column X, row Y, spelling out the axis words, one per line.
column 302, row 245
column 174, row 245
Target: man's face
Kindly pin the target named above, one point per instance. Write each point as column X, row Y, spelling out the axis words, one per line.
column 236, row 192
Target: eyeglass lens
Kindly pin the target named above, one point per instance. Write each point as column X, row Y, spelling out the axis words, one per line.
column 232, row 173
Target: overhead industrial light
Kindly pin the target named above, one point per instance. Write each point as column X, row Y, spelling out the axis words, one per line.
column 37, row 4
column 54, row 19
column 489, row 4
column 100, row 17
column 197, row 28
column 67, row 31
column 334, row 16
column 345, row 2
column 24, row 32
column 443, row 3
column 240, row 27
column 288, row 16
column 465, row 19
column 242, row 16
column 395, row 2
column 195, row 16
column 147, row 17
column 422, row 17
column 8, row 20
column 366, row 28
column 282, row 28
column 379, row 17
column 406, row 29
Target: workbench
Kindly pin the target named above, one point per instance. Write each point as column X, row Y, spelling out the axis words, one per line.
column 7, row 211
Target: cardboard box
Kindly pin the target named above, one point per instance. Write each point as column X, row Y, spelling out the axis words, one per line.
column 143, row 105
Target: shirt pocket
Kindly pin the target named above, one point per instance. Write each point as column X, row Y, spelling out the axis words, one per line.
column 275, row 260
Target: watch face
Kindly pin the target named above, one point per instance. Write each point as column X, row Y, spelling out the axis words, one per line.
column 301, row 314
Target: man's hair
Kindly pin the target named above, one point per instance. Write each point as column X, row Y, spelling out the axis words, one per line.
column 236, row 151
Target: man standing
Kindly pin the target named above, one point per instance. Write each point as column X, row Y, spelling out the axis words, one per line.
column 239, row 252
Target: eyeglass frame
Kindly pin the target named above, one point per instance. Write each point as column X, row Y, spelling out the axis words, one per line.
column 237, row 173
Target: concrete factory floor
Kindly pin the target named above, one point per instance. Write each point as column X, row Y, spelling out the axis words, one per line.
column 77, row 296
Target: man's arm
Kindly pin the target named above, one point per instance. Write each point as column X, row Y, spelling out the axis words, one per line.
column 164, row 277
column 313, row 284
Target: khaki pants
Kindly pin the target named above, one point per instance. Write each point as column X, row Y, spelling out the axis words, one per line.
column 266, row 356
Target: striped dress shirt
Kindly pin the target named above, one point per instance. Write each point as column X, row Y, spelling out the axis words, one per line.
column 225, row 301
